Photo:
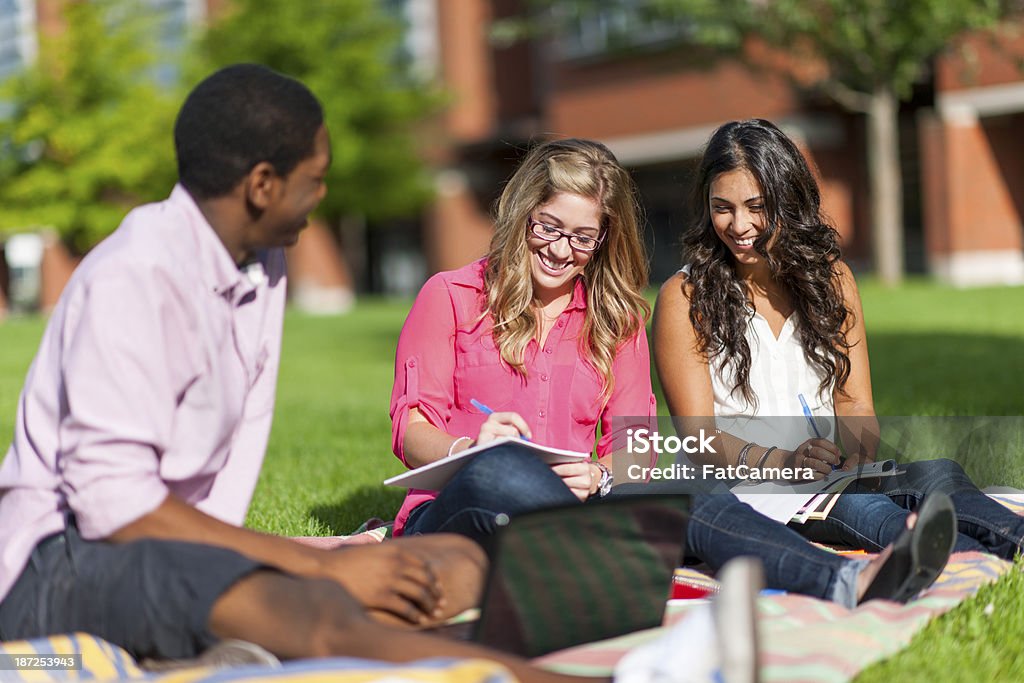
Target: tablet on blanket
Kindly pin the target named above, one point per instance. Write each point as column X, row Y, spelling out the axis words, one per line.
column 565, row 576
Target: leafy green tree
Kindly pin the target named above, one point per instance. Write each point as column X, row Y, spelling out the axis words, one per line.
column 84, row 135
column 873, row 52
column 865, row 54
column 347, row 52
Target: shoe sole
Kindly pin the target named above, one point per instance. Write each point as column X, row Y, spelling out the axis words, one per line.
column 936, row 534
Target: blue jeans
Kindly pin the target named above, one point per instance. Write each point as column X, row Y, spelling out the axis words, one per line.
column 509, row 481
column 503, row 480
column 871, row 513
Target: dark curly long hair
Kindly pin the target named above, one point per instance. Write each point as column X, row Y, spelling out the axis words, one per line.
column 802, row 259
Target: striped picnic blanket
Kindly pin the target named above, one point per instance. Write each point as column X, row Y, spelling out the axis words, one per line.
column 102, row 661
column 844, row 643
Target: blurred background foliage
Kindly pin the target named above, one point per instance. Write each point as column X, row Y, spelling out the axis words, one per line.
column 86, row 131
column 347, row 52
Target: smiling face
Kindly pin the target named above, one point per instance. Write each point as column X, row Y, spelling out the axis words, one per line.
column 738, row 216
column 555, row 265
column 294, row 197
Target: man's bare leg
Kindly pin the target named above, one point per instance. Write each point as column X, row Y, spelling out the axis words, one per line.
column 296, row 618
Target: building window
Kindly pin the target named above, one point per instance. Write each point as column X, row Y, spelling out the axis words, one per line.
column 17, row 35
column 622, row 26
column 173, row 20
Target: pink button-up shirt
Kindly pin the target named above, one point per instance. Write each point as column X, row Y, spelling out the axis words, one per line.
column 156, row 375
column 446, row 357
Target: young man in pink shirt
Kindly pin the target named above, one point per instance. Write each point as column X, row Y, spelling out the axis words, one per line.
column 144, row 418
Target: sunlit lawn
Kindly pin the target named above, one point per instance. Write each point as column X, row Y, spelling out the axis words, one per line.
column 934, row 351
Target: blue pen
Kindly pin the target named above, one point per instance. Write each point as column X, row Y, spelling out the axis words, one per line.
column 807, row 414
column 487, row 411
column 481, row 407
column 810, row 419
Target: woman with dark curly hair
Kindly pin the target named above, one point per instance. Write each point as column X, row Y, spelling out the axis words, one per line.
column 765, row 320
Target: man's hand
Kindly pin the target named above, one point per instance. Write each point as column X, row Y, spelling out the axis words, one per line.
column 412, row 581
column 389, row 579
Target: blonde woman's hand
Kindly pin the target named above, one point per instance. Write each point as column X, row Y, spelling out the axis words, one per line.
column 579, row 477
column 498, row 425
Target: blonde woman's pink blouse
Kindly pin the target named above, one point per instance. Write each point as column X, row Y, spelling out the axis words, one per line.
column 446, row 356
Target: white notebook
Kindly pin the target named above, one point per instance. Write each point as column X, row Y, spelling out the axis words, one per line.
column 781, row 500
column 434, row 476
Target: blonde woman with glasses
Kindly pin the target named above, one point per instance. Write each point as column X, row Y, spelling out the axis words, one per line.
column 543, row 338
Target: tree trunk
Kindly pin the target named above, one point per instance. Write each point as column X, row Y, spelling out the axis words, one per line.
column 886, row 186
column 319, row 279
column 352, row 234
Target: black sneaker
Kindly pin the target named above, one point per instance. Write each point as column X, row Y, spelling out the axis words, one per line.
column 919, row 554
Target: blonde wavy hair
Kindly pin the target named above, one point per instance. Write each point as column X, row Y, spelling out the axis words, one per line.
column 615, row 276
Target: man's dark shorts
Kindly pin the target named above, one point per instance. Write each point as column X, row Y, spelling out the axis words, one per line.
column 153, row 598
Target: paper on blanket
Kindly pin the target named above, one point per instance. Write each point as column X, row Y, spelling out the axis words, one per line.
column 781, row 507
column 687, row 652
column 782, row 500
column 434, row 476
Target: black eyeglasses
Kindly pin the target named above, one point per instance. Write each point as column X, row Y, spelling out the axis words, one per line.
column 550, row 233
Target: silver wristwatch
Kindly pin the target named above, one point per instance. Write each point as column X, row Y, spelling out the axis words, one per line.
column 604, row 487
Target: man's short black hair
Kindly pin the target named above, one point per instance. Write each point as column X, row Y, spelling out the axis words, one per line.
column 238, row 117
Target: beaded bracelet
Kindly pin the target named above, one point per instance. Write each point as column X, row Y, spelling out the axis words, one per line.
column 764, row 457
column 742, row 460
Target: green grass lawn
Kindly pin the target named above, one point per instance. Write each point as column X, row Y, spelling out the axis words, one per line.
column 935, row 351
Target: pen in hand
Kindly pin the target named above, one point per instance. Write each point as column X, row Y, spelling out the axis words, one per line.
column 481, row 407
column 810, row 419
column 488, row 411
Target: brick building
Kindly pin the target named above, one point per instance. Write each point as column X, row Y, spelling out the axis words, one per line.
column 655, row 105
